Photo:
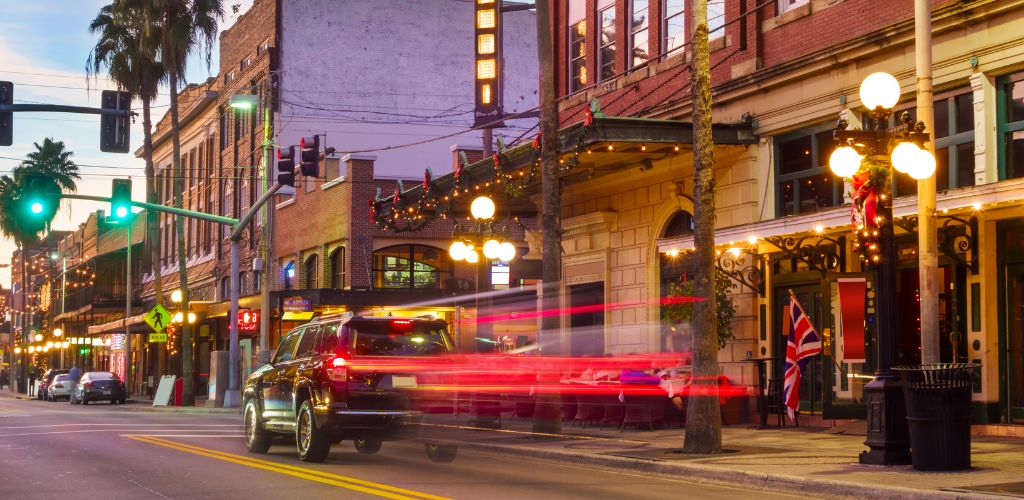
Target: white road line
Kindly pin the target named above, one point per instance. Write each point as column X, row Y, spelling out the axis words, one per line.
column 84, row 431
column 185, row 435
column 120, row 425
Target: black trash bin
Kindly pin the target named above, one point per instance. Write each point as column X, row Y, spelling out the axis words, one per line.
column 939, row 414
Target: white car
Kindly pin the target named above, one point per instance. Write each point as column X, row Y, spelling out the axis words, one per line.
column 61, row 387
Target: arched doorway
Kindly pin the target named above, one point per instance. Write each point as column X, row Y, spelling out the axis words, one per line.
column 675, row 271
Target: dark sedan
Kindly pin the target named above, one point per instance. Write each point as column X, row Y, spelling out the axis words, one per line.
column 99, row 386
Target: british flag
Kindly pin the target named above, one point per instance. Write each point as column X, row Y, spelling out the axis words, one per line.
column 803, row 344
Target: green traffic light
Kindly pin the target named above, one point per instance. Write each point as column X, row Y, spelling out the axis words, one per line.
column 36, row 207
column 121, row 212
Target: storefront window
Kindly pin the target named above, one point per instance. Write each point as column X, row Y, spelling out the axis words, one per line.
column 804, row 182
column 410, row 266
column 1011, row 127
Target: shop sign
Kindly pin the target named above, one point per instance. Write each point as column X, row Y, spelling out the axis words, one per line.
column 248, row 321
column 298, row 304
column 158, row 337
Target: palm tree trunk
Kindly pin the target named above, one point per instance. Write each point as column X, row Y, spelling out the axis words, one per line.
column 25, row 315
column 703, row 422
column 188, row 397
column 152, row 217
column 547, row 418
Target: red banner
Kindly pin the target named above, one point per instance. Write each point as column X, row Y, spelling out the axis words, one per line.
column 852, row 292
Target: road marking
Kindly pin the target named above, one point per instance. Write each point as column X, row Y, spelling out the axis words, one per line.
column 122, row 425
column 379, row 489
column 86, row 431
column 235, row 436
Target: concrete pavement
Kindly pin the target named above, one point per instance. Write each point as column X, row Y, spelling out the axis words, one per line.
column 53, row 450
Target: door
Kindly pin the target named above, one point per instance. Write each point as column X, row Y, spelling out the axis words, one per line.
column 273, row 398
column 1013, row 355
column 586, row 321
column 811, row 385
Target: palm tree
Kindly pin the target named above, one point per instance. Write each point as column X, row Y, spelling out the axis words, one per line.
column 129, row 49
column 703, row 414
column 53, row 160
column 186, row 26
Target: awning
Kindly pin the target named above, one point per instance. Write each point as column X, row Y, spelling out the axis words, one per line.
column 297, row 316
column 136, row 324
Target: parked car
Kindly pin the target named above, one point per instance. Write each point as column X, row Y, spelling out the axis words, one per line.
column 60, row 387
column 44, row 382
column 317, row 387
column 96, row 386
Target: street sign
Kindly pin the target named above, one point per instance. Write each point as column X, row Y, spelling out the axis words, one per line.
column 158, row 318
column 158, row 337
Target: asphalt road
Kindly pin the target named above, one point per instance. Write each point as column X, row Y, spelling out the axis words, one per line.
column 55, row 450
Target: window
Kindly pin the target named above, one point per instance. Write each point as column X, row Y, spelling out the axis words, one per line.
column 338, row 268
column 246, row 62
column 225, row 288
column 243, row 284
column 804, row 182
column 410, row 266
column 787, row 5
column 398, row 338
column 257, row 281
column 311, row 272
column 305, row 348
column 607, row 52
column 638, row 30
column 681, row 224
column 286, row 350
column 262, row 48
column 1011, row 126
column 288, row 276
column 675, row 25
column 229, row 77
column 577, row 45
column 716, row 19
column 328, row 342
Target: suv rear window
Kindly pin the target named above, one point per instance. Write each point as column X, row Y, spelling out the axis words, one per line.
column 398, row 338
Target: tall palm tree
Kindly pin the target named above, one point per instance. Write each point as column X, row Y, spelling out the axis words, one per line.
column 186, row 26
column 129, row 49
column 53, row 160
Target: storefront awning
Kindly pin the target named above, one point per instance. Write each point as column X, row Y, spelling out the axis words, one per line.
column 136, row 324
column 297, row 316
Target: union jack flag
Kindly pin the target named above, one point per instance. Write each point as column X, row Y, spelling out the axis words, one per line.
column 803, row 344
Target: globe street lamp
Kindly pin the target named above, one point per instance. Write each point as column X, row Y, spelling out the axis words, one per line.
column 870, row 159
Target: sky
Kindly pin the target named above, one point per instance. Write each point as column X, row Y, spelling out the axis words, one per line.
column 44, row 45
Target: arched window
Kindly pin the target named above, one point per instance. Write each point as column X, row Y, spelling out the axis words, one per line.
column 311, row 272
column 410, row 266
column 681, row 224
column 338, row 268
column 288, row 275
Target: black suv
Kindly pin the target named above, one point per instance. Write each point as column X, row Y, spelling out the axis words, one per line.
column 346, row 377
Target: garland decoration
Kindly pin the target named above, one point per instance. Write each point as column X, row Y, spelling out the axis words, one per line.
column 868, row 185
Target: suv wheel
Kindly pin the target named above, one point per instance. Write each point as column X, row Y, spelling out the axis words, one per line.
column 257, row 439
column 441, row 454
column 367, row 446
column 312, row 443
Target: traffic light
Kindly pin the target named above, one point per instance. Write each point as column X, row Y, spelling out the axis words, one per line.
column 310, row 157
column 6, row 117
column 39, row 200
column 115, row 128
column 286, row 166
column 121, row 198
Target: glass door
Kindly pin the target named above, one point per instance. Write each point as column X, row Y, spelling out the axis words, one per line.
column 1013, row 355
column 811, row 385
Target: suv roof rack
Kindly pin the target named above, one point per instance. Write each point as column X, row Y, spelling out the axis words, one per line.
column 341, row 315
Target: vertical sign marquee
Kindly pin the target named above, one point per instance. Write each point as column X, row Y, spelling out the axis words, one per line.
column 488, row 69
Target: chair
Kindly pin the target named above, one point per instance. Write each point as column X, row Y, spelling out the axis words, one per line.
column 614, row 410
column 523, row 407
column 569, row 406
column 643, row 409
column 774, row 401
column 588, row 410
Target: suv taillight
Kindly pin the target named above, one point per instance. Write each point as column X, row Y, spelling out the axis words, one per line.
column 337, row 369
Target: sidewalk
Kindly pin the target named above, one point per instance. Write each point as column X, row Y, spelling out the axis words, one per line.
column 140, row 403
column 805, row 460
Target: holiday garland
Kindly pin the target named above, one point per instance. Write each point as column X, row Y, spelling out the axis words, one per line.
column 868, row 188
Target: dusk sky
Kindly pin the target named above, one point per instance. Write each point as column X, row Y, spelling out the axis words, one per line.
column 43, row 49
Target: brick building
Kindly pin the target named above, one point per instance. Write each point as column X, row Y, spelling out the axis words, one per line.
column 782, row 73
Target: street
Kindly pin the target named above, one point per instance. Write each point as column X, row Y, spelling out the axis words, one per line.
column 55, row 450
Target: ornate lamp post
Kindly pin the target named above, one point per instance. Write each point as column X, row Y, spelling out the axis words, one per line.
column 868, row 159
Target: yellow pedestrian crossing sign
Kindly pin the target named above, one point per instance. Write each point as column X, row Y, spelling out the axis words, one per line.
column 157, row 318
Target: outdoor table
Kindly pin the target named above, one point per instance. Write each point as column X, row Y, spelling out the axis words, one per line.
column 762, row 401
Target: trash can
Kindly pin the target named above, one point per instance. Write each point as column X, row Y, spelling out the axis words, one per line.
column 938, row 400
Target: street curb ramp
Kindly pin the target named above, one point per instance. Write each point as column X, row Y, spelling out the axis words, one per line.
column 725, row 477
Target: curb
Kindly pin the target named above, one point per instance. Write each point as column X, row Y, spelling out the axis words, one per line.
column 146, row 406
column 725, row 477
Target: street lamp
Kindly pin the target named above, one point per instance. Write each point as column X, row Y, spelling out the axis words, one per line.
column 870, row 159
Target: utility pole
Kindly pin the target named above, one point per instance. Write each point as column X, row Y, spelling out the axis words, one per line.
column 703, row 423
column 267, row 240
column 927, row 235
column 547, row 418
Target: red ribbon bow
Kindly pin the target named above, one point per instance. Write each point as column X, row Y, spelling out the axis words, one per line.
column 588, row 117
column 865, row 195
column 536, row 141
